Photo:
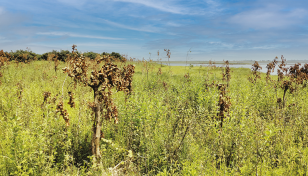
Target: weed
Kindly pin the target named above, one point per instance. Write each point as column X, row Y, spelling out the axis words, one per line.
column 107, row 77
column 255, row 72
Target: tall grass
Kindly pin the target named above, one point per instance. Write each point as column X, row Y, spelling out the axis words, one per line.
column 167, row 125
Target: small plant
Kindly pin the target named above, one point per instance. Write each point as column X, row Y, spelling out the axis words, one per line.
column 286, row 85
column 168, row 53
column 187, row 77
column 102, row 81
column 224, row 103
column 226, row 76
column 71, row 100
column 46, row 96
column 282, row 69
column 270, row 68
column 159, row 71
column 63, row 112
column 255, row 72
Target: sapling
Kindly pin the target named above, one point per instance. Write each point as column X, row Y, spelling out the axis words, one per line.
column 101, row 81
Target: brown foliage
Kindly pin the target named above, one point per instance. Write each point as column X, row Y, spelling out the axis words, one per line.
column 226, row 76
column 159, row 71
column 63, row 113
column 255, row 69
column 270, row 68
column 46, row 96
column 101, row 80
column 187, row 77
column 224, row 103
column 71, row 100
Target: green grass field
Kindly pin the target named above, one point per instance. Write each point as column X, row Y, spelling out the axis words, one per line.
column 167, row 126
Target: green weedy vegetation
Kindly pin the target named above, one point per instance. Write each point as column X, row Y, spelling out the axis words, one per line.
column 169, row 125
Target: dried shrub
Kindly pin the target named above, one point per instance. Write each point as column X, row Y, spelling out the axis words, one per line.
column 298, row 75
column 270, row 68
column 46, row 95
column 63, row 113
column 226, row 76
column 187, row 77
column 168, row 53
column 159, row 71
column 282, row 69
column 224, row 103
column 101, row 80
column 125, row 84
column 255, row 69
column 290, row 79
column 71, row 100
column 54, row 99
column 211, row 64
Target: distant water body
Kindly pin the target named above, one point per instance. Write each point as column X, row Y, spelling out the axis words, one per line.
column 263, row 65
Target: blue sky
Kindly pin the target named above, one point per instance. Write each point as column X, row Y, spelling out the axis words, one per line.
column 212, row 30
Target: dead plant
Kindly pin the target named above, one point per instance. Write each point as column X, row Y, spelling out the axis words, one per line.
column 187, row 77
column 46, row 96
column 270, row 68
column 224, row 103
column 255, row 69
column 71, row 100
column 101, row 81
column 226, row 76
column 63, row 112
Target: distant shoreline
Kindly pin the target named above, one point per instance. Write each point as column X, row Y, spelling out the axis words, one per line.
column 243, row 62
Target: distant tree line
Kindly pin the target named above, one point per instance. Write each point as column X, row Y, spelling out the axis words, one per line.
column 27, row 55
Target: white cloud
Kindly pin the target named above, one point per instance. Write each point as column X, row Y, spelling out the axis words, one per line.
column 78, row 35
column 213, row 7
column 207, row 7
column 159, row 5
column 265, row 47
column 172, row 24
column 269, row 18
column 143, row 28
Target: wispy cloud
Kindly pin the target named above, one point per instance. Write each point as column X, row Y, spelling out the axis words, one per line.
column 193, row 7
column 77, row 35
column 269, row 17
column 147, row 28
column 159, row 5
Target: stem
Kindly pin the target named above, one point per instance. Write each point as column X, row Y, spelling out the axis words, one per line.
column 284, row 94
column 97, row 126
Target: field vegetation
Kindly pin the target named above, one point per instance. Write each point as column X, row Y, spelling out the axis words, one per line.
column 160, row 120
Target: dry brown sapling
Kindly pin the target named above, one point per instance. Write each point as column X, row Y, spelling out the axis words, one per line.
column 101, row 81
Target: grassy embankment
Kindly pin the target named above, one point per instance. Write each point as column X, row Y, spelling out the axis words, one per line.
column 167, row 126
